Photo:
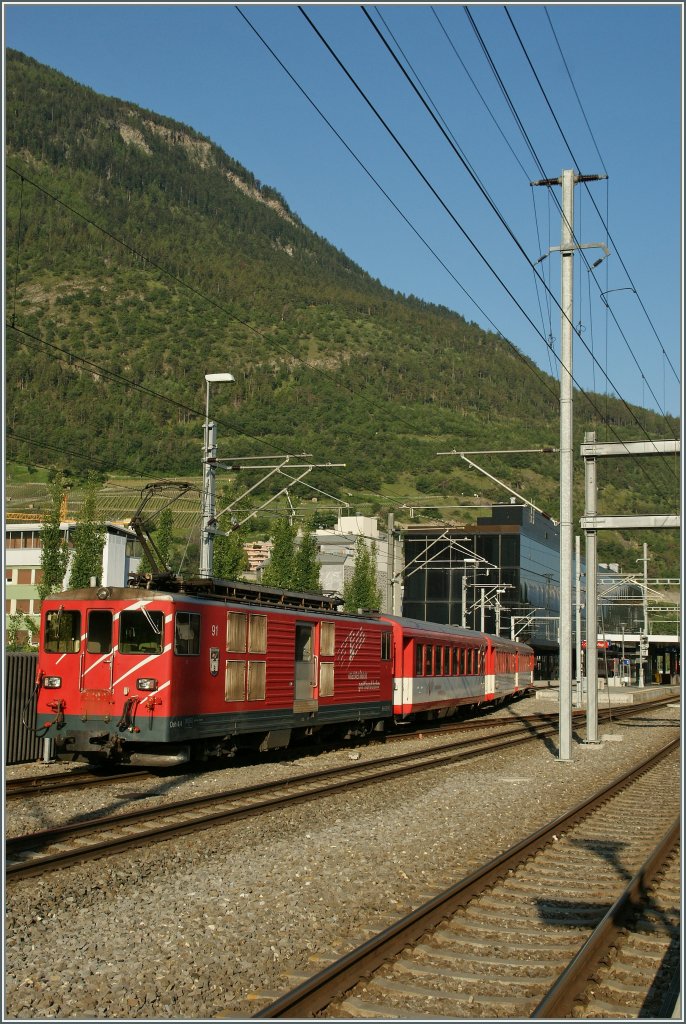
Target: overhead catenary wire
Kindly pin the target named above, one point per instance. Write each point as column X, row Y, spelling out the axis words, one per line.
column 581, row 390
column 479, row 184
column 409, row 223
column 54, row 448
column 610, row 238
column 571, row 227
column 571, row 153
column 207, row 298
column 447, row 209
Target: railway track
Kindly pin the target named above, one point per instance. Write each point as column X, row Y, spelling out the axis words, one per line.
column 78, row 841
column 95, row 837
column 579, row 919
column 49, row 783
column 41, row 785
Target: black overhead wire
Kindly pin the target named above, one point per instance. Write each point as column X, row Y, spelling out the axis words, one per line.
column 475, row 86
column 570, row 227
column 16, row 267
column 578, row 99
column 63, row 451
column 571, row 153
column 178, row 280
column 449, row 212
column 609, row 236
column 409, row 223
column 195, row 291
column 418, row 169
column 68, row 358
column 484, row 192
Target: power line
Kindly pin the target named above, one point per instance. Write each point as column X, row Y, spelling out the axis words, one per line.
column 571, row 227
column 444, row 205
column 68, row 357
column 54, row 448
column 566, row 141
column 409, row 223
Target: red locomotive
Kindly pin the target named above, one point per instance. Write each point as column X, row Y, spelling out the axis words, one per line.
column 207, row 667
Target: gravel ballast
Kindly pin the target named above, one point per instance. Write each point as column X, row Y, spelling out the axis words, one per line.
column 216, row 922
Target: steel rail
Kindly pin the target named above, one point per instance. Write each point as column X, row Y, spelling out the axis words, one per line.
column 20, row 844
column 42, row 784
column 558, row 1002
column 316, row 993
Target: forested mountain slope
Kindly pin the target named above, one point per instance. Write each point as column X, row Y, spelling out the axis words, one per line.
column 139, row 256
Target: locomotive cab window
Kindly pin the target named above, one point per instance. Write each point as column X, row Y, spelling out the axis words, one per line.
column 187, row 633
column 140, row 632
column 99, row 639
column 63, row 632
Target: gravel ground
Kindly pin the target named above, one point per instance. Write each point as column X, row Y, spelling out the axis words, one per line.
column 219, row 922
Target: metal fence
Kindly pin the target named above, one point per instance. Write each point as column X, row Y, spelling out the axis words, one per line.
column 21, row 745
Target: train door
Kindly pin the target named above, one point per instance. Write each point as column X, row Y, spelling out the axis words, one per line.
column 305, row 697
column 97, row 656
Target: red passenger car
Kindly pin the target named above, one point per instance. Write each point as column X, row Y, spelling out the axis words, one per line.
column 438, row 669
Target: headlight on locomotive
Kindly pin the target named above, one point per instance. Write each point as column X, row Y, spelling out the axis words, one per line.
column 52, row 682
column 146, row 684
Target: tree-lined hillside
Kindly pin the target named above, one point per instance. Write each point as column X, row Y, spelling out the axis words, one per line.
column 140, row 256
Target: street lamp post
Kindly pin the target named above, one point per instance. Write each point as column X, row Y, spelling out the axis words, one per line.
column 208, row 477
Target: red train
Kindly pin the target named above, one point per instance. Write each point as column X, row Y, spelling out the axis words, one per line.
column 204, row 668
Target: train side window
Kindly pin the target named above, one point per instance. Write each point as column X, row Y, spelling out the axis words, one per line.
column 419, row 660
column 257, row 640
column 187, row 633
column 99, row 639
column 455, row 665
column 428, row 660
column 257, row 680
column 141, row 632
column 63, row 632
column 236, row 632
column 385, row 646
column 327, row 639
column 234, row 683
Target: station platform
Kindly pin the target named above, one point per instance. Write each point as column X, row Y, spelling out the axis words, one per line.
column 615, row 694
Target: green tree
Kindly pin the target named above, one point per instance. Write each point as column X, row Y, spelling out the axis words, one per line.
column 14, row 626
column 164, row 536
column 230, row 560
column 278, row 572
column 54, row 551
column 89, row 540
column 305, row 565
column 362, row 589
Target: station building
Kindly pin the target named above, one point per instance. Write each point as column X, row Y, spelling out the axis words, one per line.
column 23, row 572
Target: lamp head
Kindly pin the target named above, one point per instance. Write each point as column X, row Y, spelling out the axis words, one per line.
column 216, row 378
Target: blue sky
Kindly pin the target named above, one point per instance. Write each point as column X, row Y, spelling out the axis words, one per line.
column 203, row 65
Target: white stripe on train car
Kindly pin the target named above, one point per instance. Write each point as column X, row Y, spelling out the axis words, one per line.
column 142, row 664
column 429, row 689
column 104, row 657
